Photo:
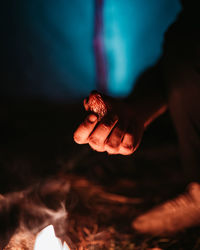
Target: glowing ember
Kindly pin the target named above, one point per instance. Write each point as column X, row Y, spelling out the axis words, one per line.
column 47, row 239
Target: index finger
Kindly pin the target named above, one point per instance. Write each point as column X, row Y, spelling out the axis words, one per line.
column 85, row 129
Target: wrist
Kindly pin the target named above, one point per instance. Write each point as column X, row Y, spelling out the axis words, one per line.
column 147, row 111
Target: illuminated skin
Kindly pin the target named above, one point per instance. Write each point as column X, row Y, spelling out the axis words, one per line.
column 117, row 126
column 120, row 129
column 108, row 134
column 111, row 126
column 108, row 131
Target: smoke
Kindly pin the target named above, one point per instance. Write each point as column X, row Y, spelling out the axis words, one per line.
column 33, row 209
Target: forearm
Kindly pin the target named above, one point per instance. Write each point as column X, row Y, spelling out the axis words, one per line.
column 148, row 107
column 148, row 99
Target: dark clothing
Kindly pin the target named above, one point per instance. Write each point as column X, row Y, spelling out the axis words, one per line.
column 181, row 66
column 189, row 3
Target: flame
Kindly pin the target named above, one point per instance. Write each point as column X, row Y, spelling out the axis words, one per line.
column 47, row 239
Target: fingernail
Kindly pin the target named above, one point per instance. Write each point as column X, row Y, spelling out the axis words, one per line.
column 92, row 118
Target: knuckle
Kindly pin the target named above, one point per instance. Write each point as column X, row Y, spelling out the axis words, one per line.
column 131, row 136
column 112, row 144
column 105, row 126
column 96, row 146
column 118, row 133
column 96, row 143
column 127, row 148
column 111, row 148
column 112, row 151
column 86, row 124
column 109, row 121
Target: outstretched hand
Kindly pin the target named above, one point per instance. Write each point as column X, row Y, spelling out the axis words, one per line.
column 110, row 126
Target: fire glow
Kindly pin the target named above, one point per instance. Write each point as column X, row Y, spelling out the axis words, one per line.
column 47, row 239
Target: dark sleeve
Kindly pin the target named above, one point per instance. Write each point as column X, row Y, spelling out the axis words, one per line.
column 181, row 50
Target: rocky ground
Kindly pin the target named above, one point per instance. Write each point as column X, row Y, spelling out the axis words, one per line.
column 106, row 192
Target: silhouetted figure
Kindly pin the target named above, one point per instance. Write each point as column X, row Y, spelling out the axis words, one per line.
column 174, row 84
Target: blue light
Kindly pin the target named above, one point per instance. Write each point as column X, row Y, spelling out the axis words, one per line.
column 56, row 48
column 50, row 44
column 134, row 33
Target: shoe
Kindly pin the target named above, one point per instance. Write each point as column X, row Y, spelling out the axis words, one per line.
column 172, row 216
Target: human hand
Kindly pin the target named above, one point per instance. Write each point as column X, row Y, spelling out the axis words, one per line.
column 111, row 126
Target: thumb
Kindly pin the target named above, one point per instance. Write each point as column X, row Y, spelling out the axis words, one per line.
column 85, row 104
